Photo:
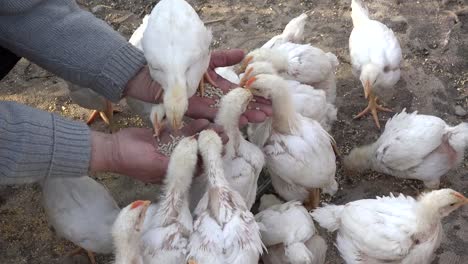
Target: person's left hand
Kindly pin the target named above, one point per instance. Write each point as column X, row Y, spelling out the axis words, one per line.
column 199, row 107
column 134, row 152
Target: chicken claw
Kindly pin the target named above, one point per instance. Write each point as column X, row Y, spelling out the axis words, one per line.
column 78, row 250
column 244, row 64
column 201, row 86
column 373, row 107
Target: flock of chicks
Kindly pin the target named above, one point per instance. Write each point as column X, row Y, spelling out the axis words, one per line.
column 207, row 219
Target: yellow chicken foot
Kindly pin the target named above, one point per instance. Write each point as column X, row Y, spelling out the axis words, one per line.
column 373, row 107
column 78, row 250
column 106, row 116
column 191, row 261
column 201, row 86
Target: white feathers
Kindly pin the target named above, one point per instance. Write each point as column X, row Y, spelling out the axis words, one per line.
column 289, row 234
column 412, row 146
column 389, row 229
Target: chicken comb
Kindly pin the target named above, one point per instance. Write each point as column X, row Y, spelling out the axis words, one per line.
column 138, row 203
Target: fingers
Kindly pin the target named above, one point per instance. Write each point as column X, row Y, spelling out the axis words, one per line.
column 200, row 108
column 254, row 116
column 262, row 100
column 266, row 109
column 223, row 58
column 195, row 126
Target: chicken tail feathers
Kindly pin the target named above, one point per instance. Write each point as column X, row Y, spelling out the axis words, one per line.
column 328, row 217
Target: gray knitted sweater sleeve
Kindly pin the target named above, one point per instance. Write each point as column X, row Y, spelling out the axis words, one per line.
column 35, row 144
column 75, row 45
column 71, row 43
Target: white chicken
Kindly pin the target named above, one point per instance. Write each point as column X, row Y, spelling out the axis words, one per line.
column 225, row 230
column 299, row 153
column 390, row 229
column 126, row 233
column 413, row 146
column 82, row 211
column 242, row 161
column 288, row 232
column 300, row 62
column 166, row 233
column 293, row 32
column 176, row 45
column 375, row 57
column 155, row 113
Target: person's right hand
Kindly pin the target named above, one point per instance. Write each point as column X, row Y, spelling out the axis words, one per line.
column 133, row 151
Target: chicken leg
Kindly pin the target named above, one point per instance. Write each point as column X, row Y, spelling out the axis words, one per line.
column 201, row 85
column 78, row 250
column 373, row 107
column 107, row 115
column 314, row 199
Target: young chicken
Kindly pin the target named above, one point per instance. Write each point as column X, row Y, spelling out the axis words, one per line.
column 293, row 32
column 225, row 230
column 176, row 45
column 299, row 153
column 126, row 233
column 167, row 231
column 82, row 211
column 390, row 229
column 243, row 161
column 289, row 233
column 375, row 57
column 300, row 62
column 413, row 146
column 155, row 113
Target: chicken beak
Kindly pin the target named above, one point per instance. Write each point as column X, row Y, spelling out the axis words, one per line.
column 244, row 64
column 142, row 216
column 176, row 124
column 367, row 88
column 249, row 83
column 245, row 77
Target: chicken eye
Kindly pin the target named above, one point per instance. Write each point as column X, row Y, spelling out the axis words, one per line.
column 452, row 204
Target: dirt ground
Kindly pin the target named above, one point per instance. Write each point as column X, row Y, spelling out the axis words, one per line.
column 434, row 81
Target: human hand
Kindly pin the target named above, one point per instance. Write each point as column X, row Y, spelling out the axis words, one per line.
column 143, row 87
column 199, row 107
column 133, row 151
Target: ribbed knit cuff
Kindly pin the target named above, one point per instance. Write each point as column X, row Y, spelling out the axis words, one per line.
column 72, row 148
column 119, row 69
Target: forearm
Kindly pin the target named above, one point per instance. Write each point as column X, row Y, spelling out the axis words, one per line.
column 35, row 144
column 70, row 42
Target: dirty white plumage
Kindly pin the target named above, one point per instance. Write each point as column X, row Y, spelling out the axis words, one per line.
column 375, row 56
column 298, row 152
column 80, row 210
column 413, row 146
column 390, row 229
column 166, row 233
column 293, row 32
column 242, row 161
column 288, row 232
column 225, row 230
column 126, row 233
column 176, row 45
